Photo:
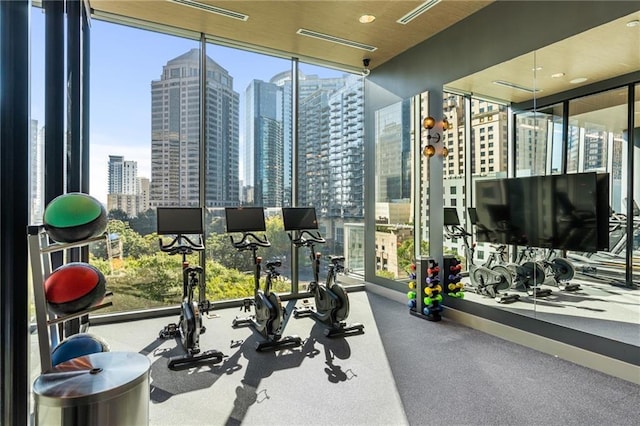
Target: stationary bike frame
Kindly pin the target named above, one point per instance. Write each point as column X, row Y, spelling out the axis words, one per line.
column 269, row 318
column 331, row 299
column 190, row 325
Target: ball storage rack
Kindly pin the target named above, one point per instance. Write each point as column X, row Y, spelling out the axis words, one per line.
column 40, row 249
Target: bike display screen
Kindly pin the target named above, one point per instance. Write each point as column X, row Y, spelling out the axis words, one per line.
column 299, row 218
column 451, row 216
column 179, row 220
column 245, row 219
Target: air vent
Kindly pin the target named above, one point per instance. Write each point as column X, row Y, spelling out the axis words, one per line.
column 212, row 9
column 417, row 11
column 515, row 86
column 334, row 39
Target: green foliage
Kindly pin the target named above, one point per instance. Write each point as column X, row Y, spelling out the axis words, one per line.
column 386, row 274
column 117, row 214
column 406, row 253
column 145, row 223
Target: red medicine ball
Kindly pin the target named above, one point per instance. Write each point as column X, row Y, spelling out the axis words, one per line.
column 74, row 287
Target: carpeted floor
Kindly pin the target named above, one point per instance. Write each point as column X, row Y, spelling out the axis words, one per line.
column 402, row 370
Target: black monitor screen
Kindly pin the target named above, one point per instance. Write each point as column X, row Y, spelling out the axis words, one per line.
column 451, row 216
column 179, row 220
column 473, row 215
column 299, row 218
column 556, row 211
column 245, row 219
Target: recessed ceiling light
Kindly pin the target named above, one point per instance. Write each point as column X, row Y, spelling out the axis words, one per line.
column 366, row 19
column 557, row 75
column 536, row 68
column 633, row 23
column 578, row 80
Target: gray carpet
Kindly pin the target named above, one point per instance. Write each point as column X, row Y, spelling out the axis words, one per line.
column 345, row 381
column 447, row 373
column 402, row 370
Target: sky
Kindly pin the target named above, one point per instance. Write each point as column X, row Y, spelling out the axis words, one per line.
column 124, row 61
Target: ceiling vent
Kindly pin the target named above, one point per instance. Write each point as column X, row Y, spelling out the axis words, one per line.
column 337, row 40
column 417, row 11
column 212, row 9
column 515, row 86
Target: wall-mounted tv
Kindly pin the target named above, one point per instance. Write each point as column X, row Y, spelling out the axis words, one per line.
column 179, row 220
column 567, row 212
column 245, row 219
column 299, row 218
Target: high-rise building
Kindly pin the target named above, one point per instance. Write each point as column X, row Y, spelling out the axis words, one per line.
column 283, row 81
column 264, row 144
column 116, row 173
column 129, row 177
column 125, row 191
column 175, row 137
column 36, row 173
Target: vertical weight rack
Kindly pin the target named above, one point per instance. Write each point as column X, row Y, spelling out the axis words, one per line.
column 40, row 249
column 428, row 290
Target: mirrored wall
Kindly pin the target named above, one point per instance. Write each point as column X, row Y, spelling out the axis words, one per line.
column 582, row 268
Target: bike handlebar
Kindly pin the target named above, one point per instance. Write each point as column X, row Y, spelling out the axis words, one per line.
column 311, row 239
column 182, row 244
column 250, row 241
column 456, row 231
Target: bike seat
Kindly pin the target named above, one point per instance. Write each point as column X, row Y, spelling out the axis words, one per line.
column 335, row 259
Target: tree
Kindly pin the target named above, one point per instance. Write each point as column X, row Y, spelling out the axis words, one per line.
column 406, row 253
column 118, row 214
column 145, row 223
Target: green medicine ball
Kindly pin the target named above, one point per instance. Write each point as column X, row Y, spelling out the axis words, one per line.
column 74, row 217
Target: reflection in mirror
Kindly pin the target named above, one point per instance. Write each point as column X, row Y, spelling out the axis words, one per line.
column 595, row 292
column 394, row 229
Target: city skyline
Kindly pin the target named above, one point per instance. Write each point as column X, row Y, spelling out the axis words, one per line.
column 123, row 63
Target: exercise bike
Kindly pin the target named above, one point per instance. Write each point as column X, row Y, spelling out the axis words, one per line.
column 269, row 318
column 331, row 299
column 189, row 326
column 530, row 274
column 484, row 280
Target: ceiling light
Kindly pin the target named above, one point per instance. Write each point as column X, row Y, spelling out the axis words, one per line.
column 557, row 75
column 212, row 9
column 417, row 11
column 633, row 23
column 515, row 86
column 578, row 80
column 334, row 39
column 366, row 19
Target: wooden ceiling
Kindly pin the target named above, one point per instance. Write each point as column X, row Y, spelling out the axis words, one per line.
column 601, row 53
column 273, row 25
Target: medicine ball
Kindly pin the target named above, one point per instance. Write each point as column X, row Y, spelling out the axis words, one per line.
column 74, row 287
column 74, row 217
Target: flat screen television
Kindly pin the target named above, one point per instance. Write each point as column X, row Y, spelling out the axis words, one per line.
column 245, row 219
column 180, row 220
column 299, row 218
column 559, row 211
column 450, row 216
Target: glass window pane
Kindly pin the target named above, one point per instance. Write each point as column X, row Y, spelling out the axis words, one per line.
column 598, row 143
column 330, row 158
column 248, row 136
column 144, row 153
column 394, row 231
